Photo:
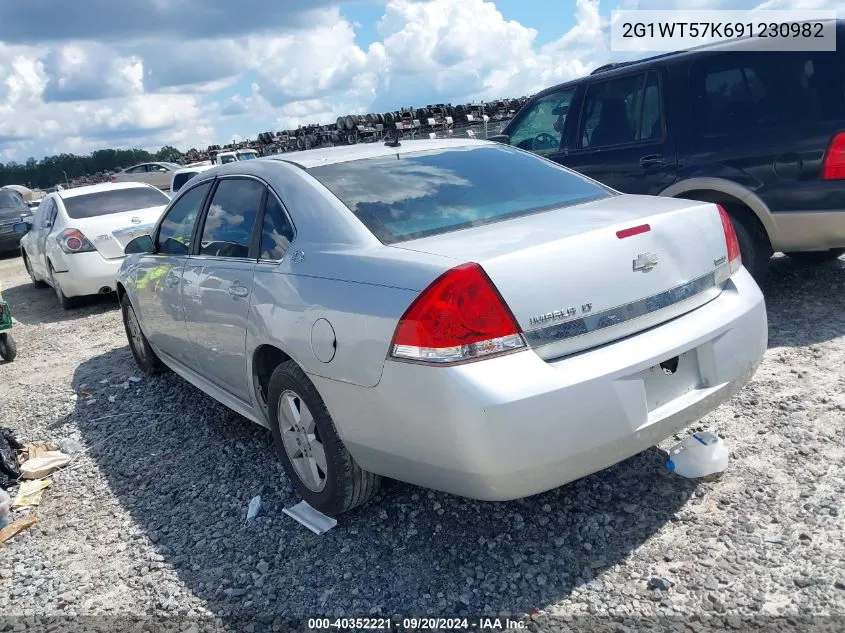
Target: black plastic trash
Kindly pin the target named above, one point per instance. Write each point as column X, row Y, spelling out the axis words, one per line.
column 9, row 471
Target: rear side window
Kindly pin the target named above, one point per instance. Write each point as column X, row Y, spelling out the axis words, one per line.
column 407, row 196
column 231, row 218
column 92, row 205
column 277, row 233
column 177, row 228
column 623, row 110
column 748, row 90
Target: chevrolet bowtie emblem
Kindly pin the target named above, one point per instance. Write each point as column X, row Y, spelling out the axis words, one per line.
column 645, row 262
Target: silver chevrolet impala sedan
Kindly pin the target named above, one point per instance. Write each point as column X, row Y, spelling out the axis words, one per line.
column 458, row 314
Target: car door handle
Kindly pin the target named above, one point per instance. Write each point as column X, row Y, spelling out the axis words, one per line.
column 652, row 160
column 237, row 290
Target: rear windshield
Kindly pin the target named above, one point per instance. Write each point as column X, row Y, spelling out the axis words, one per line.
column 91, row 205
column 408, row 196
column 11, row 200
column 181, row 179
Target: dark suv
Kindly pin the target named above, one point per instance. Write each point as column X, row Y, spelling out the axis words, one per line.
column 760, row 132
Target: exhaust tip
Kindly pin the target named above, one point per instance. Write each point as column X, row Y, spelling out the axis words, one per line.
column 105, row 290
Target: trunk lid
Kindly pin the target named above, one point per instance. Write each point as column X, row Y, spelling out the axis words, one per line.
column 572, row 284
column 111, row 233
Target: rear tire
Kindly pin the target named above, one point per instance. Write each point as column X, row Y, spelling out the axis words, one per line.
column 143, row 354
column 817, row 257
column 68, row 303
column 753, row 247
column 332, row 482
column 8, row 347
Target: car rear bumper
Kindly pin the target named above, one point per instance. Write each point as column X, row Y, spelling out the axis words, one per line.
column 88, row 274
column 809, row 231
column 517, row 425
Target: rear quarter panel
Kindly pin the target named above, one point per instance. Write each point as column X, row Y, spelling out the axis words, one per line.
column 285, row 305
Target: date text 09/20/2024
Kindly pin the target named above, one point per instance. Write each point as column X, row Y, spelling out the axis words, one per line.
column 417, row 624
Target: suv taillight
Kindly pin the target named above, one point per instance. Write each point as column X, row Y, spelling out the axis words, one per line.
column 74, row 241
column 834, row 159
column 461, row 316
column 734, row 257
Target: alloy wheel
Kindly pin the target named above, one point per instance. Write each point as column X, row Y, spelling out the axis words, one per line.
column 302, row 441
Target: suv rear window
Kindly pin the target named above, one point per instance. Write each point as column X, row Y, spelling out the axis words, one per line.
column 91, row 205
column 407, row 196
column 747, row 90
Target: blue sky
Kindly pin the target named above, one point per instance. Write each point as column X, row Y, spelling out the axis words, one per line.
column 77, row 76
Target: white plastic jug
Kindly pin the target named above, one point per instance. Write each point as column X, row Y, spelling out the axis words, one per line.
column 699, row 455
column 5, row 504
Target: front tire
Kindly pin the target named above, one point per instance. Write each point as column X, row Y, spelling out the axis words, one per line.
column 318, row 464
column 8, row 347
column 38, row 283
column 817, row 257
column 143, row 354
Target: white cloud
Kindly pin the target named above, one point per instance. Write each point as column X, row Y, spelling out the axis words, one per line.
column 156, row 78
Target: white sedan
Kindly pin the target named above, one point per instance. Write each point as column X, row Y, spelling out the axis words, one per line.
column 76, row 238
column 459, row 315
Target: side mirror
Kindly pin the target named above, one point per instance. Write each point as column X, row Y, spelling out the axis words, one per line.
column 141, row 244
column 22, row 227
column 504, row 139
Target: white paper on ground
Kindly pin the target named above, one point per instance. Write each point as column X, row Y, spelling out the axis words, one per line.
column 313, row 519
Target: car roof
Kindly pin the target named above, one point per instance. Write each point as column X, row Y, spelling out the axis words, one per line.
column 64, row 194
column 345, row 153
column 610, row 70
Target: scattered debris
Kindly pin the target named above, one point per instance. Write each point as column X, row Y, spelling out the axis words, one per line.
column 44, row 464
column 32, row 451
column 134, row 379
column 313, row 519
column 9, row 470
column 87, row 394
column 112, row 398
column 69, row 446
column 254, row 507
column 5, row 505
column 13, row 528
column 29, row 493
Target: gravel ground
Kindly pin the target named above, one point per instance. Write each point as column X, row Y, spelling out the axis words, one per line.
column 150, row 521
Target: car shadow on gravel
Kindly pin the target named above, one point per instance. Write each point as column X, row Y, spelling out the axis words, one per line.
column 805, row 303
column 186, row 469
column 36, row 306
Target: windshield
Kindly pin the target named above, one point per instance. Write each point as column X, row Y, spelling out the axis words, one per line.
column 11, row 200
column 91, row 205
column 408, row 196
column 228, row 158
column 246, row 155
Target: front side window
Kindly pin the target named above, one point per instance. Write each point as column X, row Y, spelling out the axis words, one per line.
column 92, row 205
column 137, row 170
column 179, row 180
column 177, row 228
column 540, row 129
column 277, row 233
column 231, row 218
column 413, row 195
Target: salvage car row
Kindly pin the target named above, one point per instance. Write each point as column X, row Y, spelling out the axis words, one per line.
column 464, row 315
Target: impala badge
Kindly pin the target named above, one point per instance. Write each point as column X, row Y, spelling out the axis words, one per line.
column 136, row 220
column 645, row 262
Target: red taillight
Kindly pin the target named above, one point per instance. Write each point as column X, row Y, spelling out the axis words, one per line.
column 731, row 241
column 834, row 159
column 74, row 241
column 460, row 316
column 634, row 230
column 113, row 178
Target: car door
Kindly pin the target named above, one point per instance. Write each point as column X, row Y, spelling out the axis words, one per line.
column 622, row 138
column 41, row 229
column 157, row 283
column 540, row 128
column 158, row 176
column 218, row 283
